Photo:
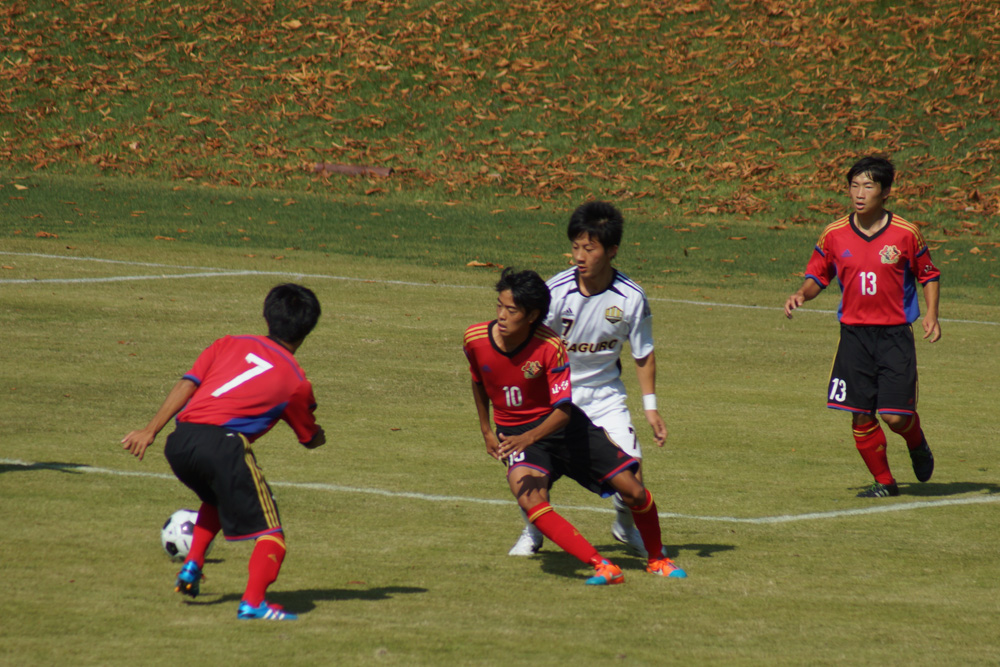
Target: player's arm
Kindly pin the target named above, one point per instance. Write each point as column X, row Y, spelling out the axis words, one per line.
column 810, row 290
column 932, row 295
column 515, row 444
column 136, row 442
column 645, row 368
column 482, row 401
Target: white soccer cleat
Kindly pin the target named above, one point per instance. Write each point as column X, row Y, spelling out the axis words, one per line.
column 630, row 537
column 528, row 543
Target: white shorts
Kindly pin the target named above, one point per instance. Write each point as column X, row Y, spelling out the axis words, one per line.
column 606, row 408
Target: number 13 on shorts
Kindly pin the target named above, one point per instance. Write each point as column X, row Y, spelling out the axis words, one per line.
column 838, row 390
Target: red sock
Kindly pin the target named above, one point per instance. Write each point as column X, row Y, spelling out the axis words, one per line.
column 870, row 439
column 562, row 532
column 911, row 432
column 205, row 530
column 265, row 563
column 647, row 520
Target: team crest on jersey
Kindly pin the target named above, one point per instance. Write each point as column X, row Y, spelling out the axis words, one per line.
column 613, row 314
column 889, row 254
column 531, row 369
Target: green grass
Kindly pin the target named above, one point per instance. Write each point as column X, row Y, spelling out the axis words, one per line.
column 414, row 581
column 181, row 138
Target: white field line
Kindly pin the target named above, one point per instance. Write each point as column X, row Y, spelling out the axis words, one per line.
column 409, row 495
column 213, row 272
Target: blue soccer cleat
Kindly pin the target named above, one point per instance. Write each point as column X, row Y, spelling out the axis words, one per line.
column 189, row 579
column 265, row 611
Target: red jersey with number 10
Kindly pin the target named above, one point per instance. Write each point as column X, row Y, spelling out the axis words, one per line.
column 524, row 384
column 248, row 383
column 877, row 274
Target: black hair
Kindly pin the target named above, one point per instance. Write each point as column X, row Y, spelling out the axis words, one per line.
column 291, row 312
column 527, row 289
column 878, row 168
column 598, row 219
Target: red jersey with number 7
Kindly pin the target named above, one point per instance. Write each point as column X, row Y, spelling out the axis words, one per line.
column 248, row 383
column 877, row 274
column 524, row 384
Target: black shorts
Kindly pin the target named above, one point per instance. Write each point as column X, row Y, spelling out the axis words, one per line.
column 875, row 370
column 580, row 451
column 220, row 467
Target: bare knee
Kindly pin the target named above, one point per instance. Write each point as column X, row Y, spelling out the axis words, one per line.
column 630, row 489
column 896, row 422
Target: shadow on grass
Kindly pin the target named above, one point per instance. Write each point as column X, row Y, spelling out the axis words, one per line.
column 301, row 602
column 561, row 564
column 944, row 489
column 42, row 465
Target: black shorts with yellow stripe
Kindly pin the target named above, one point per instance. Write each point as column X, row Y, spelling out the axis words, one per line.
column 218, row 465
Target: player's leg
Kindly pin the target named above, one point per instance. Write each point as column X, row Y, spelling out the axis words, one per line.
column 247, row 511
column 897, row 396
column 606, row 407
column 530, row 489
column 854, row 387
column 601, row 467
column 529, row 541
column 647, row 521
column 263, row 568
column 190, row 451
column 869, row 438
column 206, row 528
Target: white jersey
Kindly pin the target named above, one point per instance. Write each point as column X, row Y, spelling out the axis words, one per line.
column 594, row 328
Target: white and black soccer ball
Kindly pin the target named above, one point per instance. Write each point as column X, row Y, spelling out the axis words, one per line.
column 177, row 533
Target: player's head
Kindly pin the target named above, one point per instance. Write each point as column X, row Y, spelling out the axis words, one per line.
column 528, row 292
column 291, row 312
column 878, row 169
column 597, row 220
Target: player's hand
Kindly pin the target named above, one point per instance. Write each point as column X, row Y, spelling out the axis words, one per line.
column 658, row 425
column 492, row 445
column 136, row 442
column 932, row 329
column 513, row 444
column 793, row 302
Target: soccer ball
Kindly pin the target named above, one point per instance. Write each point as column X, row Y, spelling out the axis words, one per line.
column 177, row 533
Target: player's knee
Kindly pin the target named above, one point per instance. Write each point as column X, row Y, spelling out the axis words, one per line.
column 896, row 422
column 632, row 493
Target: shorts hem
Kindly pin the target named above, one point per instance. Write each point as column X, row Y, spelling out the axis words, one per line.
column 253, row 536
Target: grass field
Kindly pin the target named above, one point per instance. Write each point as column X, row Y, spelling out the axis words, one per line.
column 398, row 528
column 162, row 165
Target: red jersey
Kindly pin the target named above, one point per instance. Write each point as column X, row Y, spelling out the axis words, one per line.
column 877, row 274
column 525, row 384
column 248, row 383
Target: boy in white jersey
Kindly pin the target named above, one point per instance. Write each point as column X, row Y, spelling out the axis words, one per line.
column 596, row 309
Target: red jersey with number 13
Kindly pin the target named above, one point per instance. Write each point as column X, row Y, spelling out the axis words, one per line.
column 877, row 274
column 248, row 383
column 524, row 384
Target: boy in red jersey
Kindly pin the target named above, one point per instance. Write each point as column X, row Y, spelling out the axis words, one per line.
column 521, row 368
column 878, row 258
column 236, row 391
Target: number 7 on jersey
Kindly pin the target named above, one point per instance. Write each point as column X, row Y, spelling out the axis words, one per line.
column 259, row 366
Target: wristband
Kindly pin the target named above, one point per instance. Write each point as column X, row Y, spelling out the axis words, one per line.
column 649, row 402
